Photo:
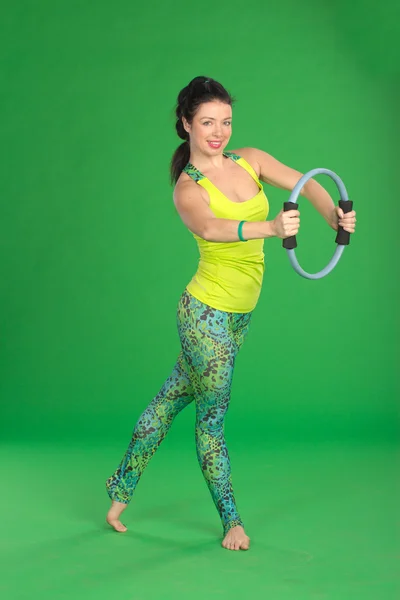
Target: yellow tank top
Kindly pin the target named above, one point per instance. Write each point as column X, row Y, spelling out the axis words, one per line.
column 230, row 274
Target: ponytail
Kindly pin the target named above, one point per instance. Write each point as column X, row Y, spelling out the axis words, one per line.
column 179, row 160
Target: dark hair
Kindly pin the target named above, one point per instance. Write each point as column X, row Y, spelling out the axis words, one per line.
column 199, row 90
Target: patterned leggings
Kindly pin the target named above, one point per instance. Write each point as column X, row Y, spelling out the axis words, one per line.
column 210, row 341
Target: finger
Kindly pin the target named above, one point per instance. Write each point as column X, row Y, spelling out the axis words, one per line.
column 292, row 213
column 347, row 223
column 349, row 217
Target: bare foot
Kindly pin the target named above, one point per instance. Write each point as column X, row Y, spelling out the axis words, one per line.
column 113, row 516
column 236, row 539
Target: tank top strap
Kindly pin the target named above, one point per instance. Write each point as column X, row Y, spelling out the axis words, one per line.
column 194, row 173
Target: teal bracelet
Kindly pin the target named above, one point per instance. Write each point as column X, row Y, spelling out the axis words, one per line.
column 240, row 231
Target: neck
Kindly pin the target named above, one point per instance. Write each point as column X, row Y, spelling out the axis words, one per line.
column 204, row 162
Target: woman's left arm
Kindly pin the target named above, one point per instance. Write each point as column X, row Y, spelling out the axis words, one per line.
column 281, row 176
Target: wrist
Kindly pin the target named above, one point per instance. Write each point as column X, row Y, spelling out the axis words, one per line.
column 332, row 219
column 270, row 230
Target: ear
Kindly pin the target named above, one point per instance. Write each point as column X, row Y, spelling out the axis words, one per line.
column 186, row 125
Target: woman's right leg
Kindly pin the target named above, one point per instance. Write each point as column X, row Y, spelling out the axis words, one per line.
column 150, row 430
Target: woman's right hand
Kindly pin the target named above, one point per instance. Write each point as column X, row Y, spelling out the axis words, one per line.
column 286, row 224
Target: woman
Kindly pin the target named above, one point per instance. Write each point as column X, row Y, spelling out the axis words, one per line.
column 220, row 199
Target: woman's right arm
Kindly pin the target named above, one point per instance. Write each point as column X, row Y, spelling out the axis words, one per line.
column 200, row 220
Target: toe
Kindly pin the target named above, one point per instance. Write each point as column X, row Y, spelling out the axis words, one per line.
column 226, row 543
column 117, row 525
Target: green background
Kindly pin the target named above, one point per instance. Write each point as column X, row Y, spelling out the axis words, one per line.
column 94, row 258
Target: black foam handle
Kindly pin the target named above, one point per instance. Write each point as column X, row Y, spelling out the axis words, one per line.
column 343, row 237
column 290, row 243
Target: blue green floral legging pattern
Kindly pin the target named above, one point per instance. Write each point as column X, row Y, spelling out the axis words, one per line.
column 210, row 340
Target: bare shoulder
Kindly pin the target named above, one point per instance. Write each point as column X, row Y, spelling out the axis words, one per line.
column 250, row 155
column 188, row 190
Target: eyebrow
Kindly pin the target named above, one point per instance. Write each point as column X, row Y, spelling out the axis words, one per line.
column 213, row 119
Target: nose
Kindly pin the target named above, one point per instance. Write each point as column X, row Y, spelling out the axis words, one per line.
column 217, row 131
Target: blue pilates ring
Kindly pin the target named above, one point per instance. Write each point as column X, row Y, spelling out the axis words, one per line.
column 342, row 238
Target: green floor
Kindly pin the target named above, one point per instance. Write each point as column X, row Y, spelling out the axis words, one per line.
column 323, row 521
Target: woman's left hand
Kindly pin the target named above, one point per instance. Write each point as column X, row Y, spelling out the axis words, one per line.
column 345, row 220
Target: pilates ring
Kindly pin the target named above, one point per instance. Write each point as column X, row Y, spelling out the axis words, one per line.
column 342, row 237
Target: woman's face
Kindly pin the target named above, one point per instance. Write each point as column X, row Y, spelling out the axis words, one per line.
column 211, row 127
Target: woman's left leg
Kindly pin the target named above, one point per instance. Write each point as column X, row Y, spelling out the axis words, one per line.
column 210, row 341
